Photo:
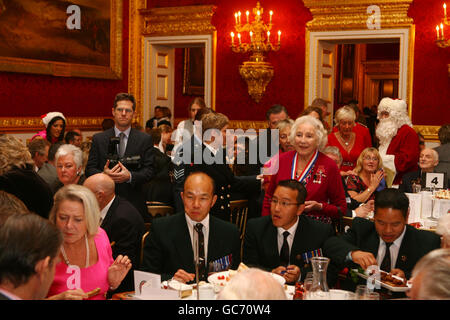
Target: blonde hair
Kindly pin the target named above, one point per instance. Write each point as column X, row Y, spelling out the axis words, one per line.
column 321, row 133
column 83, row 195
column 344, row 113
column 359, row 162
column 214, row 121
column 13, row 154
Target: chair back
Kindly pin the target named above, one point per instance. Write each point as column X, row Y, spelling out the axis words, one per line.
column 238, row 216
column 159, row 210
column 141, row 258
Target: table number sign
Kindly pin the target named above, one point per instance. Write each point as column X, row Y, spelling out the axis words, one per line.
column 434, row 180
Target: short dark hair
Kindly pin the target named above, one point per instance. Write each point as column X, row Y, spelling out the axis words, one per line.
column 123, row 96
column 296, row 186
column 70, row 136
column 311, row 109
column 25, row 239
column 276, row 109
column 53, row 149
column 198, row 101
column 37, row 145
column 444, row 134
column 319, row 102
column 156, row 135
column 392, row 198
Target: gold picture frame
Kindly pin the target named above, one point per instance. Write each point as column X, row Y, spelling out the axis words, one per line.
column 45, row 44
column 194, row 71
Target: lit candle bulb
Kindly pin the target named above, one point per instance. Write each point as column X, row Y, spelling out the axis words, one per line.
column 239, row 37
column 445, row 11
column 271, row 13
column 235, row 17
column 247, row 13
column 279, row 36
column 258, row 13
column 442, row 31
column 239, row 16
column 232, row 38
column 251, row 36
column 437, row 32
column 268, row 36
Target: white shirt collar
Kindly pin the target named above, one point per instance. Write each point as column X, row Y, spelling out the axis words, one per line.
column 291, row 230
column 117, row 131
column 191, row 223
column 104, row 211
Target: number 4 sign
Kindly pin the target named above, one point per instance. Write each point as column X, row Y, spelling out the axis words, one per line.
column 434, row 180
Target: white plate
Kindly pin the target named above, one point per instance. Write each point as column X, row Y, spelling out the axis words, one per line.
column 214, row 278
column 385, row 285
column 177, row 285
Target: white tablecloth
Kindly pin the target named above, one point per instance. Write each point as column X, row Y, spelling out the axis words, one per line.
column 421, row 207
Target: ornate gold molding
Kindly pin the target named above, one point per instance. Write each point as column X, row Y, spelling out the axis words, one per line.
column 352, row 14
column 178, row 20
column 169, row 21
column 34, row 124
column 237, row 124
column 430, row 133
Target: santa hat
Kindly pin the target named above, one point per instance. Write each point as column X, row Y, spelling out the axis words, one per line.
column 47, row 118
column 396, row 106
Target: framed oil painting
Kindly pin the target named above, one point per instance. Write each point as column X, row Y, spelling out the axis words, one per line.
column 194, row 71
column 77, row 38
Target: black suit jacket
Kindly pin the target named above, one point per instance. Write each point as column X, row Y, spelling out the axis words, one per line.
column 160, row 187
column 139, row 143
column 225, row 181
column 261, row 244
column 406, row 185
column 168, row 247
column 125, row 226
column 363, row 236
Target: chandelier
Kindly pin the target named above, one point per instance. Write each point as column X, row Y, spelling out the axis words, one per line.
column 256, row 72
column 441, row 41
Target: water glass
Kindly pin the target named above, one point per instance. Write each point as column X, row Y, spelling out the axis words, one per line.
column 361, row 292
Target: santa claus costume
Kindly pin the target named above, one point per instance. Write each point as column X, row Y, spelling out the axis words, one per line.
column 399, row 143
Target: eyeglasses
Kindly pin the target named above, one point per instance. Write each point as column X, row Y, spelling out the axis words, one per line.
column 284, row 204
column 369, row 158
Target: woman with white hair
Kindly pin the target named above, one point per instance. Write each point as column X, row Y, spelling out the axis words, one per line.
column 349, row 143
column 320, row 175
column 69, row 165
column 87, row 264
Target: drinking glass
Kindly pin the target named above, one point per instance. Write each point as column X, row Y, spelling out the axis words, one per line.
column 361, row 292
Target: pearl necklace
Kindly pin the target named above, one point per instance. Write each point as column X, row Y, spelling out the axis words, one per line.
column 345, row 142
column 66, row 260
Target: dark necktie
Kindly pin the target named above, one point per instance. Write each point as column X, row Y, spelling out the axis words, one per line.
column 201, row 252
column 121, row 144
column 284, row 253
column 386, row 263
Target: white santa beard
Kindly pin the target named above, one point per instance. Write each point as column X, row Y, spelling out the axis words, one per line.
column 386, row 130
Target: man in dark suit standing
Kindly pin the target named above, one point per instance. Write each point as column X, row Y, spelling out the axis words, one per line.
column 132, row 149
column 387, row 242
column 121, row 221
column 169, row 250
column 285, row 241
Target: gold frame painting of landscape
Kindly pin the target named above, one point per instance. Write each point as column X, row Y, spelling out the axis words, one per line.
column 77, row 38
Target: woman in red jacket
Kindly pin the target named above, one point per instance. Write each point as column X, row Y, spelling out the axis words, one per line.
column 320, row 175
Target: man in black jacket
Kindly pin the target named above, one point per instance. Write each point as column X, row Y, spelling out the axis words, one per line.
column 285, row 241
column 169, row 250
column 121, row 221
column 366, row 242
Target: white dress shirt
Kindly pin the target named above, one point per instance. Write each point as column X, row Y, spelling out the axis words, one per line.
column 194, row 237
column 290, row 238
column 394, row 249
column 104, row 211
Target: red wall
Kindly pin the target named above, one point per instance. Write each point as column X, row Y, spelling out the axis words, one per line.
column 33, row 95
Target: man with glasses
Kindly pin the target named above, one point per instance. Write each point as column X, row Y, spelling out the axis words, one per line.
column 285, row 241
column 134, row 152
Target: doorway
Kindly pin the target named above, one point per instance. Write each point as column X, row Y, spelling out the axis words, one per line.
column 161, row 62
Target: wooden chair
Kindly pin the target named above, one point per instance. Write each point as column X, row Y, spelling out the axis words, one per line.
column 141, row 258
column 238, row 216
column 159, row 211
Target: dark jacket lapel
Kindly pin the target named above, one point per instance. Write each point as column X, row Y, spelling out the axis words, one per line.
column 182, row 243
column 108, row 218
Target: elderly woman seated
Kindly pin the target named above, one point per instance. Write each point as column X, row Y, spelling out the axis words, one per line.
column 69, row 165
column 319, row 173
column 428, row 160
